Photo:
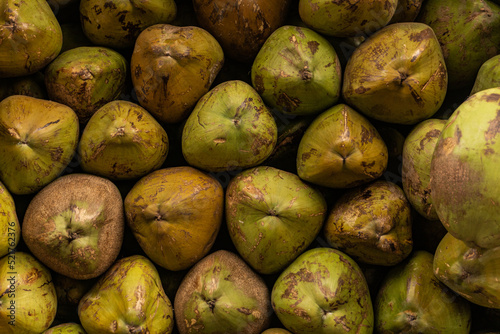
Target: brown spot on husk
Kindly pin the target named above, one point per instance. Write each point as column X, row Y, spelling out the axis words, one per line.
column 313, row 46
column 493, row 128
column 421, row 36
column 259, row 84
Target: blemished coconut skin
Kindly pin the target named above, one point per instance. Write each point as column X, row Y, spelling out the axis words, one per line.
column 86, row 78
column 75, row 225
column 66, row 328
column 242, row 26
column 117, row 23
column 297, row 71
column 122, row 141
column 417, row 154
column 222, row 294
column 470, row 272
column 10, row 229
column 229, row 129
column 128, row 298
column 372, row 224
column 31, row 37
column 175, row 214
column 323, row 291
column 38, row 139
column 464, row 171
column 346, row 19
column 26, row 287
column 412, row 300
column 468, row 32
column 272, row 217
column 172, row 68
column 397, row 75
column 488, row 75
column 341, row 149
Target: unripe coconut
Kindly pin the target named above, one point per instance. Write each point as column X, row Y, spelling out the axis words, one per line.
column 230, row 128
column 412, row 300
column 341, row 149
column 222, row 294
column 10, row 230
column 417, row 155
column 471, row 272
column 241, row 27
column 323, row 291
column 398, row 75
column 128, row 298
column 464, row 171
column 297, row 71
column 345, row 18
column 75, row 225
column 272, row 217
column 66, row 328
column 175, row 214
column 468, row 32
column 31, row 37
column 86, row 78
column 122, row 141
column 117, row 23
column 28, row 301
column 488, row 75
column 371, row 223
column 172, row 68
column 38, row 139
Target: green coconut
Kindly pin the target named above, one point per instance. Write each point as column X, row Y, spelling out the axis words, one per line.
column 464, row 171
column 28, row 302
column 412, row 300
column 230, row 128
column 372, row 224
column 118, row 23
column 297, row 71
column 323, row 291
column 346, row 18
column 272, row 217
column 397, row 75
column 172, row 68
column 488, row 75
column 471, row 272
column 122, row 141
column 175, row 214
column 468, row 32
column 222, row 294
column 38, row 139
column 86, row 78
column 418, row 149
column 127, row 298
column 31, row 37
column 341, row 149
